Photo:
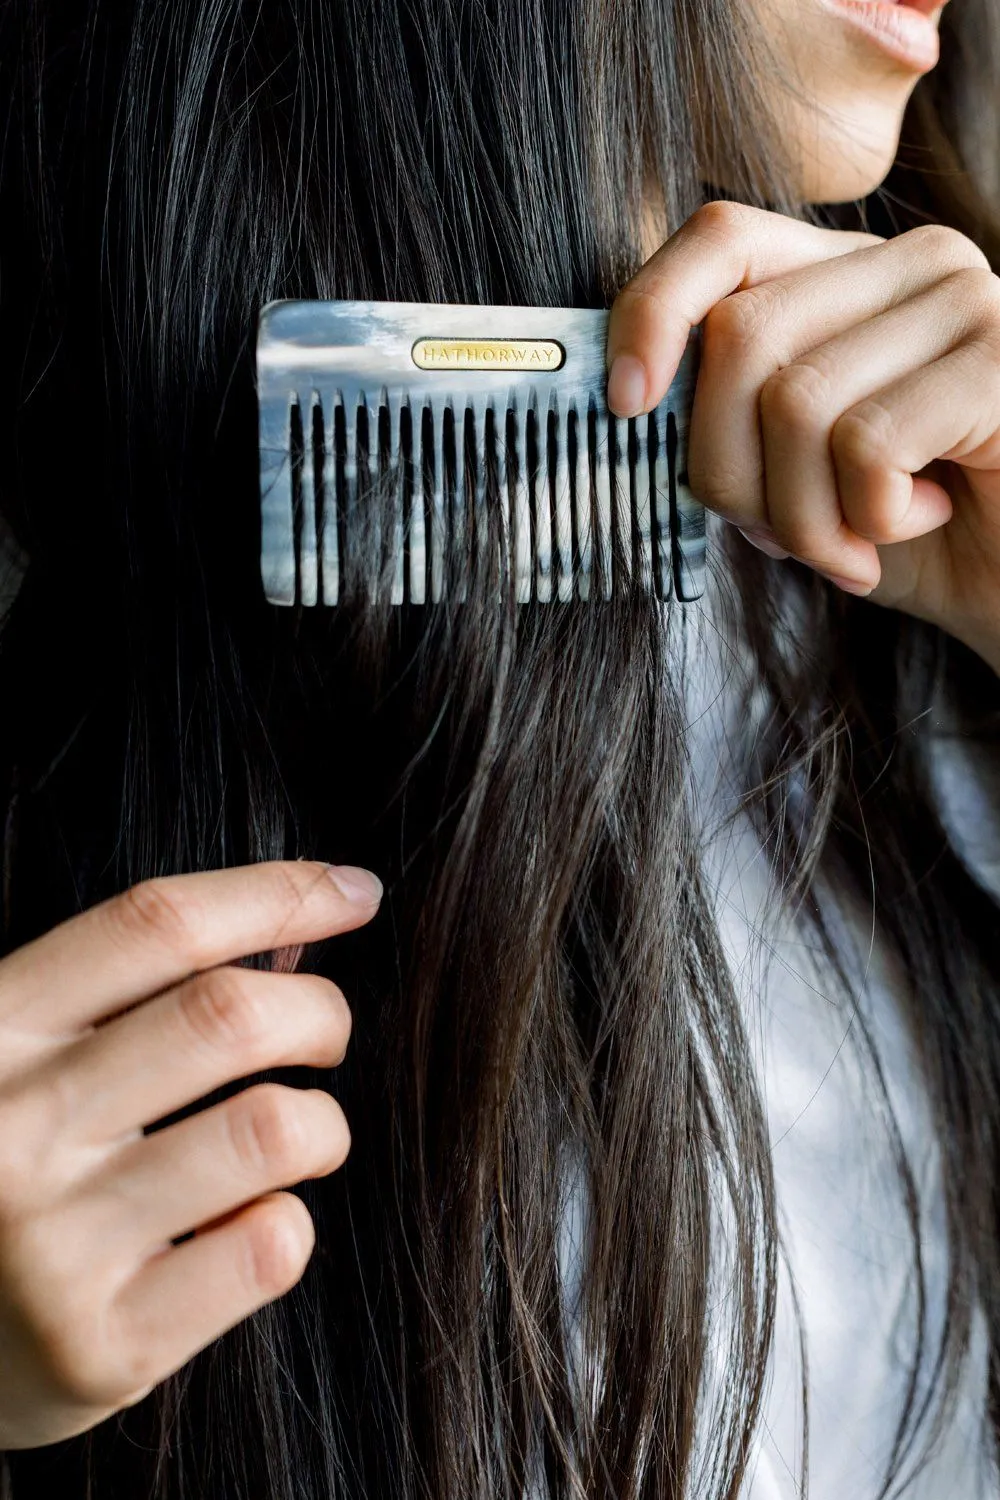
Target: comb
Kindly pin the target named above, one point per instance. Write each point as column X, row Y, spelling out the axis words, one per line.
column 489, row 422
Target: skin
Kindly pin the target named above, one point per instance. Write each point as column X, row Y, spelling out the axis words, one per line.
column 847, row 408
column 138, row 1007
column 843, row 109
column 110, row 1022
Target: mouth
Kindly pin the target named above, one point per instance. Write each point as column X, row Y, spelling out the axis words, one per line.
column 925, row 7
column 906, row 30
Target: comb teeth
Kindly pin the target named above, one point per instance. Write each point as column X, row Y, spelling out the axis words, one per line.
column 529, row 475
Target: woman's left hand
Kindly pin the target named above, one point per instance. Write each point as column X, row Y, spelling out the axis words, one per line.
column 847, row 408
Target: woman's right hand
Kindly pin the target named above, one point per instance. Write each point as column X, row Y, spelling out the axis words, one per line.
column 111, row 1021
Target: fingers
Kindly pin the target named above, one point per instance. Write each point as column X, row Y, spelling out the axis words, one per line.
column 189, row 1295
column 721, row 248
column 882, row 442
column 191, row 1173
column 797, row 326
column 770, row 331
column 214, row 1028
column 792, row 358
column 88, row 1205
column 157, row 933
column 808, row 408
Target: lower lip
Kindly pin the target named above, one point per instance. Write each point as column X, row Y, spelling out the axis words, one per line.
column 903, row 33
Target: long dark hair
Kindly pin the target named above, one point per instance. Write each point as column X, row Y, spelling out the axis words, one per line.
column 543, row 1002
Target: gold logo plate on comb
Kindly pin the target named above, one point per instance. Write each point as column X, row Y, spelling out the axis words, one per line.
column 488, row 354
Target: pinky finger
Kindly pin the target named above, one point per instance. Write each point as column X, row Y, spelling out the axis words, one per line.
column 184, row 1298
column 919, row 504
column 949, row 409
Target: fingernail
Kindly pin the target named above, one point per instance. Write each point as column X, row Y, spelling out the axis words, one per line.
column 355, row 884
column 850, row 585
column 756, row 540
column 627, row 386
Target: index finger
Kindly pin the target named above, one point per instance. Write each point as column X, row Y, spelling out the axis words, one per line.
column 722, row 248
column 163, row 930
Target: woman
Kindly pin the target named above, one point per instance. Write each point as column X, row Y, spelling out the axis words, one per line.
column 624, row 1214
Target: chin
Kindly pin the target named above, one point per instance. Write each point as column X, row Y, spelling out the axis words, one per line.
column 841, row 181
column 850, row 154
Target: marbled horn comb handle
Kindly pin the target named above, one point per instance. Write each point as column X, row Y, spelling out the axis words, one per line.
column 483, row 436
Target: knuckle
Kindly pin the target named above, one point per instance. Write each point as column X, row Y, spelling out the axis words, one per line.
column 719, row 217
column 941, row 242
column 292, row 886
column 862, row 436
column 985, row 346
column 34, row 1120
column 797, row 396
column 220, row 1012
column 277, row 1242
column 42, row 1254
column 644, row 303
column 155, row 909
column 267, row 1131
column 977, row 291
column 735, row 322
column 58, row 1299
